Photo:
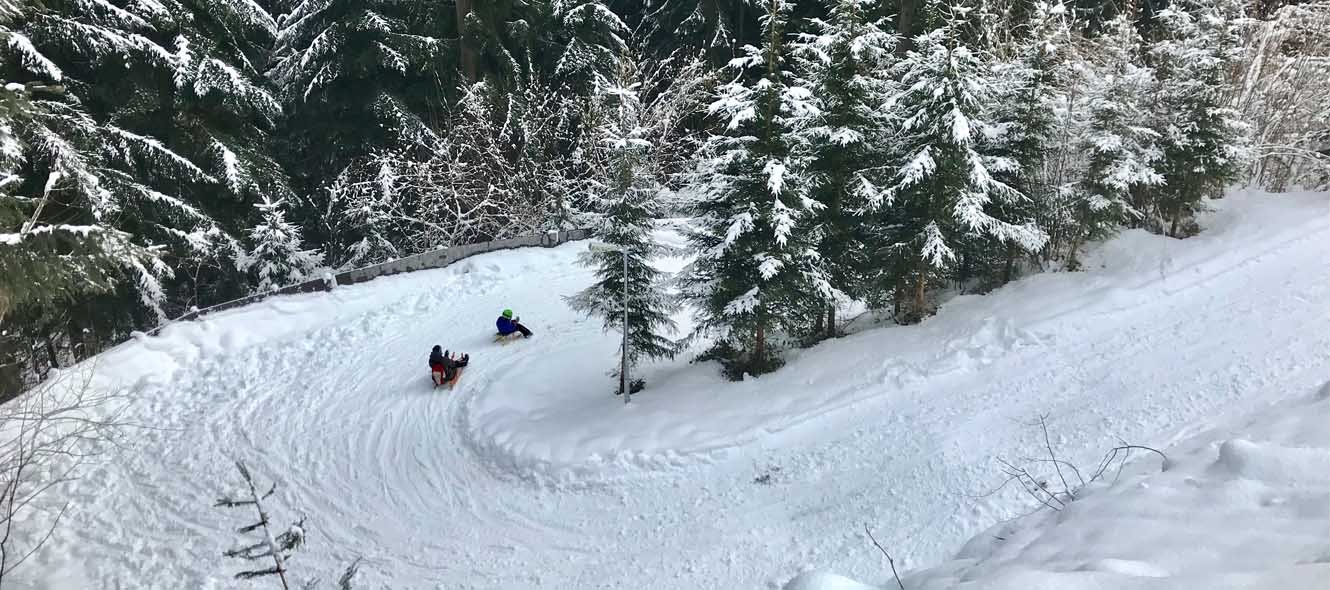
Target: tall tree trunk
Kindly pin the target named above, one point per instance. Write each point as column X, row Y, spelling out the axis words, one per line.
column 468, row 53
column 1010, row 264
column 906, row 24
column 920, row 287
column 51, row 355
column 1072, row 262
column 760, row 344
column 897, row 300
column 831, row 321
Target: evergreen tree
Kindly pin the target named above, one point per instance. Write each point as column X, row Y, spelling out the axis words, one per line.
column 46, row 264
column 717, row 27
column 1121, row 152
column 71, row 277
column 1203, row 138
column 118, row 144
column 844, row 65
column 757, row 268
column 279, row 257
column 943, row 188
column 223, row 105
column 223, row 116
column 357, row 78
column 590, row 39
column 500, row 40
column 1031, row 110
column 627, row 209
column 41, row 264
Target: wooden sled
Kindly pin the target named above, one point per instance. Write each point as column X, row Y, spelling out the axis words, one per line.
column 508, row 339
column 450, row 383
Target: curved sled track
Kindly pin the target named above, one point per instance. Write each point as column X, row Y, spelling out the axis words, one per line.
column 519, row 478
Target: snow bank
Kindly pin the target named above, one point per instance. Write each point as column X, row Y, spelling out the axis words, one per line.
column 1238, row 507
column 683, row 419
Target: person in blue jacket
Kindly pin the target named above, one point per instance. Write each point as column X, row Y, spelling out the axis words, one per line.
column 507, row 325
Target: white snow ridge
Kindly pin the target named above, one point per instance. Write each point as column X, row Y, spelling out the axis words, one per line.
column 1214, row 350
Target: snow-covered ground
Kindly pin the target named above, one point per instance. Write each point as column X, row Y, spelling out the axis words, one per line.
column 532, row 475
column 1245, row 505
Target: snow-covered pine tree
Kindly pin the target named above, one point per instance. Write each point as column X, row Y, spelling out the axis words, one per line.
column 590, row 39
column 171, row 119
column 1120, row 151
column 224, row 117
column 46, row 264
column 757, row 271
column 626, row 206
column 717, row 27
column 1033, row 82
column 279, row 257
column 40, row 263
column 1204, row 140
column 499, row 40
column 224, row 107
column 71, row 276
column 93, row 142
column 357, row 78
column 844, row 64
column 943, row 186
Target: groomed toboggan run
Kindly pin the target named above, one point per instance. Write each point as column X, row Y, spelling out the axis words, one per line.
column 531, row 474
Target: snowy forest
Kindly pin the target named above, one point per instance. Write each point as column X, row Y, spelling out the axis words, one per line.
column 163, row 155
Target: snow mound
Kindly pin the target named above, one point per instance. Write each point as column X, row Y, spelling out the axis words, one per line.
column 1274, row 462
column 824, row 581
column 1245, row 506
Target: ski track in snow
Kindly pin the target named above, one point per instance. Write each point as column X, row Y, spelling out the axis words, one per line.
column 531, row 475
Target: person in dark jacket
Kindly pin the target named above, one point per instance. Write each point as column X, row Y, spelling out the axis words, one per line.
column 507, row 325
column 443, row 366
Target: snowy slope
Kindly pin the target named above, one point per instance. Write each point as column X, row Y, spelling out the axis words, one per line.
column 1241, row 506
column 531, row 475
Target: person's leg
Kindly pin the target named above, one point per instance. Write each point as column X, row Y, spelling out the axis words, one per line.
column 523, row 329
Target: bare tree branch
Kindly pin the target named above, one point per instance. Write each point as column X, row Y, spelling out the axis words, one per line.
column 57, row 428
column 890, row 561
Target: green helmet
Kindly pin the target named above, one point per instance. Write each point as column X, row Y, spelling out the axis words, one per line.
column 508, row 313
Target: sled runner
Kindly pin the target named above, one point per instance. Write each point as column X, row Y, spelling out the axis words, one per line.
column 437, row 378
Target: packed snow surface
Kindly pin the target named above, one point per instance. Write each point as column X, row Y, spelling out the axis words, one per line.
column 531, row 474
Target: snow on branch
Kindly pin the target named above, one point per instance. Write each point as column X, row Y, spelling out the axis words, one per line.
column 275, row 548
column 131, row 146
column 30, row 58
